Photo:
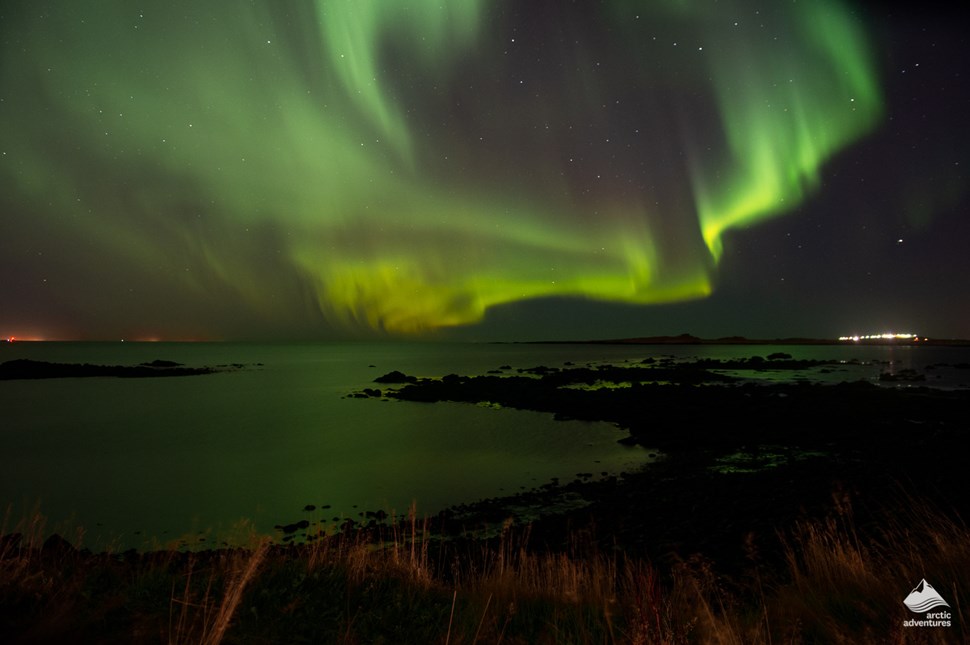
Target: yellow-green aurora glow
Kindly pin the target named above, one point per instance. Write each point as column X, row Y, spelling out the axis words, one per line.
column 404, row 166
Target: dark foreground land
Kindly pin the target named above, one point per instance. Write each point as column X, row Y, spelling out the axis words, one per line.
column 786, row 512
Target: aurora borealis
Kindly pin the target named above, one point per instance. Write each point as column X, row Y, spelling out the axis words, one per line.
column 335, row 168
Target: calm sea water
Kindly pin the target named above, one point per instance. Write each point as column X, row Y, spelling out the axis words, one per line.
column 140, row 461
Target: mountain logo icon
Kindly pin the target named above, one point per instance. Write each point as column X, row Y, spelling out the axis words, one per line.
column 924, row 598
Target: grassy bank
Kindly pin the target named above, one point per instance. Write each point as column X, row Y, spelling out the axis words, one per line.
column 834, row 581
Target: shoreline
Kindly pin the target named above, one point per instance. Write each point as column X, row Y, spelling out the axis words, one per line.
column 760, row 483
column 740, row 457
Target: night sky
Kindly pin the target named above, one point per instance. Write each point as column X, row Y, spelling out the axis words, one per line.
column 478, row 169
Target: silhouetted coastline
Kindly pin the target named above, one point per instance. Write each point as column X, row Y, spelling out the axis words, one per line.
column 30, row 369
column 689, row 339
column 740, row 457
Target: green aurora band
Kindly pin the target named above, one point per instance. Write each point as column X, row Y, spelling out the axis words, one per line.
column 406, row 166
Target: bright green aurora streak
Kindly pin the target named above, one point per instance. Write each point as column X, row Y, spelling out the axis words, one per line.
column 409, row 165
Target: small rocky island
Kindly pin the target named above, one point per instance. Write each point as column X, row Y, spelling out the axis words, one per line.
column 23, row 368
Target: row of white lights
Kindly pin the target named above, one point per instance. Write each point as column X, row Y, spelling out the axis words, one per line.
column 884, row 336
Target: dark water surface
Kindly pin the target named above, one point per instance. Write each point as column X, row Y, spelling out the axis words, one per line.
column 139, row 460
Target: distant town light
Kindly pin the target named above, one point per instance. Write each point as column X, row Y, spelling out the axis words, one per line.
column 889, row 335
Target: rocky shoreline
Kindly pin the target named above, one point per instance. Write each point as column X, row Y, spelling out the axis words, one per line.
column 742, row 460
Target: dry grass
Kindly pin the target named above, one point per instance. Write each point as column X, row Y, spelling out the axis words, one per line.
column 846, row 588
column 835, row 584
column 206, row 619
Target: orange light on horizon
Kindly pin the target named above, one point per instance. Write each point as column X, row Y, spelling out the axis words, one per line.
column 24, row 338
column 33, row 337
